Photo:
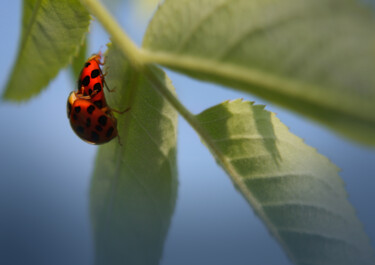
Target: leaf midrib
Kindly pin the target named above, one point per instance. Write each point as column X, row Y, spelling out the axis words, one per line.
column 253, row 77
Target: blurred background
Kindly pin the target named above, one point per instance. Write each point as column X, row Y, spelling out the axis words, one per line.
column 45, row 170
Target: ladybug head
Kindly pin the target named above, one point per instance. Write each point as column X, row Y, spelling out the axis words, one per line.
column 96, row 57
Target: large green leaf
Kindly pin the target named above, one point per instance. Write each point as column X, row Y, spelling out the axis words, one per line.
column 134, row 186
column 294, row 190
column 316, row 57
column 79, row 60
column 52, row 32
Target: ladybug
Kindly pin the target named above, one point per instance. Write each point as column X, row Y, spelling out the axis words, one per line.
column 89, row 122
column 91, row 80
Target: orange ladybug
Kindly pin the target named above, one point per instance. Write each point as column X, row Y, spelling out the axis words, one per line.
column 91, row 81
column 90, row 123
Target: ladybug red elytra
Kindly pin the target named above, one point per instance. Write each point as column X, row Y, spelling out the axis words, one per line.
column 91, row 124
column 91, row 81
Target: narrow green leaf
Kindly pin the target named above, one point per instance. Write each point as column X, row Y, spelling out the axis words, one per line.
column 134, row 186
column 79, row 60
column 52, row 31
column 316, row 57
column 294, row 190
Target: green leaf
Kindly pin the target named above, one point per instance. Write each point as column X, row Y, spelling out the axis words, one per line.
column 78, row 60
column 52, row 32
column 294, row 190
column 134, row 186
column 316, row 57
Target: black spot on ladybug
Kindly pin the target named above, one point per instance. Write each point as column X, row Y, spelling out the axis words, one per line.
column 95, row 73
column 94, row 136
column 86, row 81
column 98, row 87
column 90, row 109
column 98, row 103
column 98, row 128
column 80, row 129
column 77, row 109
column 88, row 122
column 102, row 120
column 90, row 91
column 87, row 64
column 109, row 132
column 75, row 117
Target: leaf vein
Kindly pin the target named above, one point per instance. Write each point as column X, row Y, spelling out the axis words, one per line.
column 307, row 205
column 294, row 174
column 318, row 235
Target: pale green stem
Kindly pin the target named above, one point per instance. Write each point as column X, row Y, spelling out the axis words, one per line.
column 134, row 54
column 184, row 112
column 118, row 36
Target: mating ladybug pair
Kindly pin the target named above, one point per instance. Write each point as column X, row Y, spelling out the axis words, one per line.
column 90, row 116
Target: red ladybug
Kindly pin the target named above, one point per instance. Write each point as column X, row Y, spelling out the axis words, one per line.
column 90, row 123
column 91, row 81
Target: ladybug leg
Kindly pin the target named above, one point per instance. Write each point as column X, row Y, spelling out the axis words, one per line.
column 88, row 96
column 104, row 82
column 119, row 111
column 119, row 139
column 80, row 91
column 109, row 90
column 108, row 111
column 102, row 73
column 81, row 96
column 85, row 97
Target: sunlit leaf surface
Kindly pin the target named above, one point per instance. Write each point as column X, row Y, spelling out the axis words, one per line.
column 294, row 190
column 316, row 57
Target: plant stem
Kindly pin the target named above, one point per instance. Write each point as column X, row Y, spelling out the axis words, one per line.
column 183, row 111
column 118, row 36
